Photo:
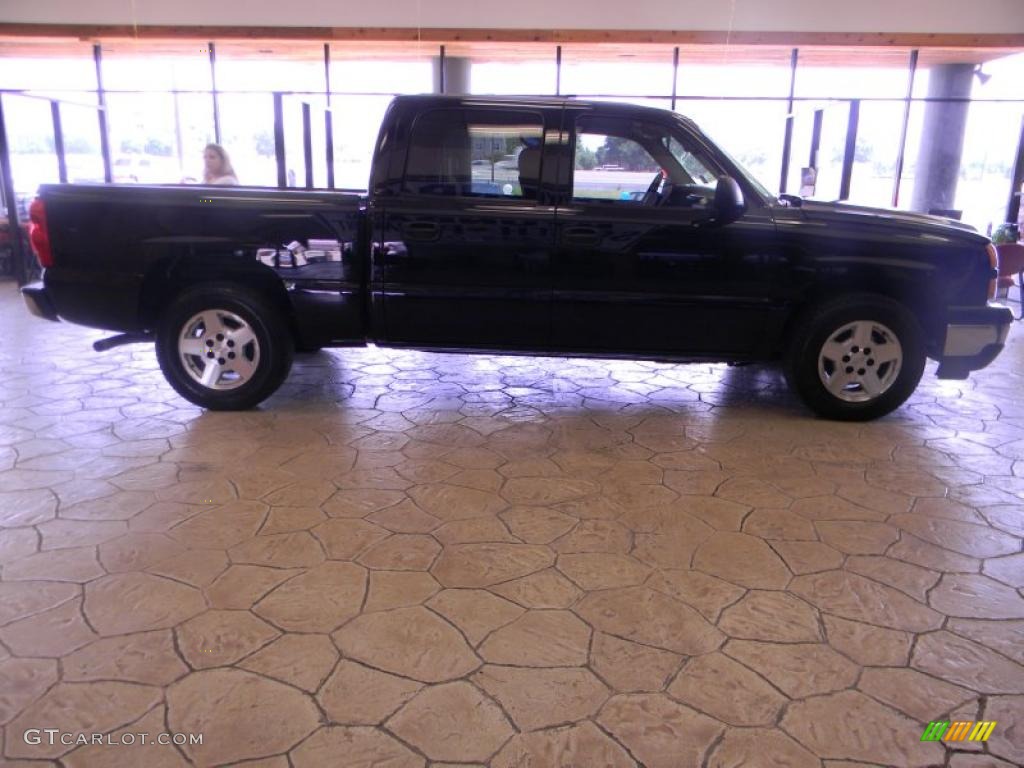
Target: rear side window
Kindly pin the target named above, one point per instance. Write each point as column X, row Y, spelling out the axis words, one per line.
column 475, row 153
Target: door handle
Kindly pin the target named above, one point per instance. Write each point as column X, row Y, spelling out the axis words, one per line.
column 422, row 230
column 580, row 236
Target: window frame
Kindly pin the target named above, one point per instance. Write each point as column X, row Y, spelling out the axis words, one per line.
column 688, row 141
column 467, row 111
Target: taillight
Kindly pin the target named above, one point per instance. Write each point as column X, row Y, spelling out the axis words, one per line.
column 38, row 235
column 993, row 262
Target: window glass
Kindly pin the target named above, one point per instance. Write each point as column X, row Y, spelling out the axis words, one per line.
column 729, row 125
column 356, row 121
column 479, row 153
column 634, row 163
column 247, row 133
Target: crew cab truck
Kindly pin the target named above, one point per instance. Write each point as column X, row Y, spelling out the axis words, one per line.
column 676, row 255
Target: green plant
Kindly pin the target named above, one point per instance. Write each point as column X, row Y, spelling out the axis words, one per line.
column 1004, row 233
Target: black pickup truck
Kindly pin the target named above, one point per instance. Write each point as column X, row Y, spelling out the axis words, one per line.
column 523, row 225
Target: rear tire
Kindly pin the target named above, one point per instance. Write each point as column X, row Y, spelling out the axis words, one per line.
column 223, row 347
column 856, row 358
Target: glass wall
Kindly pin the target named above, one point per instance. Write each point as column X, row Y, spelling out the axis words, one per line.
column 160, row 107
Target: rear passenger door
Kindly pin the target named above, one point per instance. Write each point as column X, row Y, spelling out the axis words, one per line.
column 465, row 251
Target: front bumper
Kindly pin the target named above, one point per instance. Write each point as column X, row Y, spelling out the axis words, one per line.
column 974, row 338
column 39, row 302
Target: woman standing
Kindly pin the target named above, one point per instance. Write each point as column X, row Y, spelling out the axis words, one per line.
column 218, row 168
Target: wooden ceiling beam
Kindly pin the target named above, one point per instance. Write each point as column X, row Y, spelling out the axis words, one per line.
column 97, row 32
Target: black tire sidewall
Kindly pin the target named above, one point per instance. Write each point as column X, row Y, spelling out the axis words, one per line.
column 821, row 322
column 266, row 323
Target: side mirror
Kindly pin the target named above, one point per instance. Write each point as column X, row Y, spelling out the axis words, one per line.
column 729, row 204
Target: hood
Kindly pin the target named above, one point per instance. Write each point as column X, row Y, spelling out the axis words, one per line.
column 908, row 221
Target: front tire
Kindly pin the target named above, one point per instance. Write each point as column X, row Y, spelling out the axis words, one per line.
column 856, row 358
column 223, row 347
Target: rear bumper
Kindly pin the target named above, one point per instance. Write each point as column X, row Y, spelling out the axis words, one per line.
column 974, row 338
column 39, row 302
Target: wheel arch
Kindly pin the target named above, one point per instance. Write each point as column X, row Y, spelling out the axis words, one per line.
column 172, row 275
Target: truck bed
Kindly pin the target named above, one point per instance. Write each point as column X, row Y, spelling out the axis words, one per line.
column 118, row 248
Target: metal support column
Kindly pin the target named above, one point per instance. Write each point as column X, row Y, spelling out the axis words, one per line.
column 675, row 75
column 440, row 71
column 901, row 151
column 307, row 143
column 558, row 70
column 19, row 258
column 282, row 172
column 58, row 142
column 213, row 92
column 97, row 57
column 787, row 141
column 819, row 118
column 328, row 118
column 1013, row 206
column 851, row 149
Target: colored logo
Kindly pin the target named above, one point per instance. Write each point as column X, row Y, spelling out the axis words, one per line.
column 962, row 730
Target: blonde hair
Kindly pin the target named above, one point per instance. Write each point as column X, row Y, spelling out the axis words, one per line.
column 225, row 162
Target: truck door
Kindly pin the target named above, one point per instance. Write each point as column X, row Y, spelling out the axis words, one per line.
column 464, row 247
column 637, row 266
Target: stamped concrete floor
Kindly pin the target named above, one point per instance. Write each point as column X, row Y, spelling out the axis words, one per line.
column 409, row 559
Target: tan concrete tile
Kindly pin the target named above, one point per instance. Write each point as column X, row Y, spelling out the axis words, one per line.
column 539, row 698
column 751, row 745
column 127, row 749
column 55, row 632
column 881, row 735
column 405, row 517
column 399, row 589
column 360, row 746
column 80, row 708
column 78, row 564
column 854, row 597
column 454, row 502
column 483, row 565
column 358, row 695
column 965, row 538
column 222, row 527
column 797, row 669
column 301, row 660
column 866, row 644
column 771, row 616
column 402, row 552
column 411, row 642
column 574, row 745
column 718, row 686
column 147, row 657
column 658, row 731
column 543, row 589
column 318, row 600
column 360, row 502
column 649, row 617
column 1007, row 637
column 241, row 586
column 539, row 639
column 913, row 693
column 966, row 663
column 742, row 560
column 25, row 680
column 453, row 721
column 976, row 597
column 475, row 612
column 537, row 525
column 241, row 715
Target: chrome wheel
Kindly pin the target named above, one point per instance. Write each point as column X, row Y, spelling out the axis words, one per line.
column 860, row 361
column 218, row 349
